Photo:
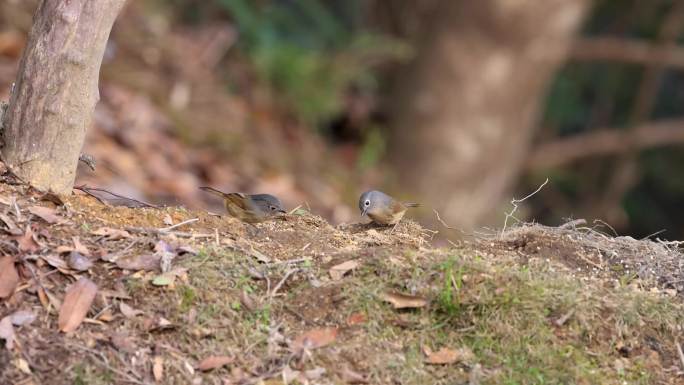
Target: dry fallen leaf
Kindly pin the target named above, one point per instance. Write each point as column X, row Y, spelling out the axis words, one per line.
column 26, row 243
column 111, row 234
column 55, row 261
column 401, row 301
column 7, row 332
column 446, row 356
column 45, row 213
column 356, row 318
column 79, row 262
column 158, row 368
column 338, row 271
column 12, row 227
column 9, row 279
column 80, row 247
column 123, row 342
column 76, row 304
column 213, row 362
column 352, row 377
column 22, row 317
column 149, row 262
column 22, row 365
column 315, row 338
column 128, row 311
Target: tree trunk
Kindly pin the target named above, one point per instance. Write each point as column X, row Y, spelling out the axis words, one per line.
column 468, row 107
column 52, row 103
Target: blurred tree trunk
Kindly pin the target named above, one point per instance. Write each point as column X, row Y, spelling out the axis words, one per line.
column 52, row 103
column 467, row 109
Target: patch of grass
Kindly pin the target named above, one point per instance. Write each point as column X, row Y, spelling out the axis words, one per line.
column 506, row 315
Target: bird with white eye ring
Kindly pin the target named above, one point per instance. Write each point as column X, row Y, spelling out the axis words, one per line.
column 382, row 208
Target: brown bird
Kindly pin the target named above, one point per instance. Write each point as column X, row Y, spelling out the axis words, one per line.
column 382, row 208
column 250, row 208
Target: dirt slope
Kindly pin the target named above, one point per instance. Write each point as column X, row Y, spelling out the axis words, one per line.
column 190, row 297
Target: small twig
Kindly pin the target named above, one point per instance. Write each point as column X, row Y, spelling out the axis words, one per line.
column 156, row 231
column 89, row 191
column 573, row 224
column 289, row 262
column 177, row 225
column 442, row 222
column 654, row 234
column 282, row 281
column 679, row 352
column 615, row 233
column 515, row 202
column 563, row 319
column 88, row 160
column 102, row 360
column 294, row 209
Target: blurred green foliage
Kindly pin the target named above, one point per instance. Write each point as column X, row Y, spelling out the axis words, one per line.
column 310, row 52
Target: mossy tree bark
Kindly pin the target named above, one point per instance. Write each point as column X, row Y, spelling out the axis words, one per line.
column 56, row 90
column 469, row 105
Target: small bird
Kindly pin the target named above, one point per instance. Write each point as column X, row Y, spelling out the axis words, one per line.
column 382, row 208
column 249, row 208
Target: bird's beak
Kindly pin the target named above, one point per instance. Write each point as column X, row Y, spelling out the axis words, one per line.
column 281, row 211
column 363, row 213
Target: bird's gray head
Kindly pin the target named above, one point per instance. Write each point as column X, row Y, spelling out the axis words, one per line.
column 371, row 200
column 267, row 204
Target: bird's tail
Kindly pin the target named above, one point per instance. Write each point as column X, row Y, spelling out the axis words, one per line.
column 214, row 191
column 411, row 204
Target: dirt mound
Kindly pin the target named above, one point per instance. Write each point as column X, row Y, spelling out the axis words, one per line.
column 186, row 296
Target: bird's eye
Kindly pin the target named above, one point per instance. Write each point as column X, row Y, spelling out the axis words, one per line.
column 366, row 203
column 273, row 208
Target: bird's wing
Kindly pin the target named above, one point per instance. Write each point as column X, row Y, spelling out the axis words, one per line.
column 240, row 200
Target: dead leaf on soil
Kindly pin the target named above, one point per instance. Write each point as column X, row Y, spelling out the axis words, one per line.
column 158, row 368
column 26, row 242
column 167, row 220
column 76, row 304
column 128, row 311
column 157, row 323
column 7, row 332
column 447, row 356
column 55, row 261
column 22, row 365
column 401, row 301
column 112, row 234
column 9, row 278
column 315, row 338
column 213, row 362
column 356, row 318
column 12, row 227
column 123, row 342
column 22, row 317
column 351, row 377
column 51, row 197
column 45, row 213
column 79, row 262
column 338, row 271
column 80, row 247
column 147, row 262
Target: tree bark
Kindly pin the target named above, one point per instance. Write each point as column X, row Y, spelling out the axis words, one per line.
column 468, row 107
column 56, row 90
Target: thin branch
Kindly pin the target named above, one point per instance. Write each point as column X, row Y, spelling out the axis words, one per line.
column 282, row 281
column 90, row 191
column 515, row 203
column 607, row 141
column 679, row 352
column 177, row 225
column 626, row 50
